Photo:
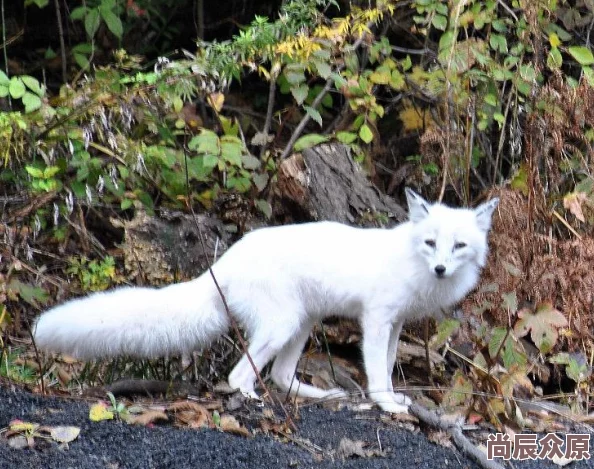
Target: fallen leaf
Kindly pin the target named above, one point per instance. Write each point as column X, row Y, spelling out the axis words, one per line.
column 191, row 413
column 64, row 434
column 20, row 426
column 229, row 424
column 573, row 202
column 542, row 325
column 99, row 412
column 348, row 448
column 147, row 417
column 18, row 442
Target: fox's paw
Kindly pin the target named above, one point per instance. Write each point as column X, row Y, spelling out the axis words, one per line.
column 393, row 407
column 388, row 401
column 401, row 399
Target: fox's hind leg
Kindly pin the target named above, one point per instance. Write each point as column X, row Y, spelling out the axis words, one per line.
column 267, row 341
column 399, row 398
column 285, row 364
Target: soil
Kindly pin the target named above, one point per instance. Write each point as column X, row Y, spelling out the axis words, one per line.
column 117, row 445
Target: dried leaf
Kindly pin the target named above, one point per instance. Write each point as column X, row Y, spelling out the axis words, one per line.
column 230, row 424
column 573, row 202
column 147, row 417
column 64, row 434
column 348, row 448
column 216, row 100
column 18, row 442
column 542, row 325
column 191, row 413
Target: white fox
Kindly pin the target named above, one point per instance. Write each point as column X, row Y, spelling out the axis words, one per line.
column 278, row 282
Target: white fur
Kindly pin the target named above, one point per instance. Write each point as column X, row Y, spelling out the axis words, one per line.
column 278, row 283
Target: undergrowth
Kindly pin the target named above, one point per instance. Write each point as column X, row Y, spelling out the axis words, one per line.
column 455, row 98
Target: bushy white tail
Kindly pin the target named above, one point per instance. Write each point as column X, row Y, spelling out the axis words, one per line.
column 143, row 322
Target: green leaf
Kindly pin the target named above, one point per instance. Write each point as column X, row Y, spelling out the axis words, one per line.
column 511, row 355
column 308, row 141
column 346, row 137
column 81, row 60
column 314, row 114
column 495, row 343
column 397, row 80
column 491, row 99
column 31, row 102
column 589, row 74
column 3, row 91
column 439, row 22
column 554, row 59
column 231, row 150
column 498, row 43
column 265, row 207
column 4, row 80
column 445, row 329
column 582, row 55
column 33, row 171
column 300, row 93
column 261, row 181
column 250, row 161
column 16, row 88
column 365, row 133
column 92, row 22
column 205, row 142
column 33, row 85
column 295, row 77
column 30, row 294
column 240, row 184
column 125, row 204
column 78, row 13
column 323, row 68
column 113, row 22
column 380, row 76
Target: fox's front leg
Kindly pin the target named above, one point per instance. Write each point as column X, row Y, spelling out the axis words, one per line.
column 376, row 343
column 399, row 398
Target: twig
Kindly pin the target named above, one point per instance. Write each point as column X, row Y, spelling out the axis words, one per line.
column 316, row 102
column 427, row 355
column 269, row 110
column 232, row 321
column 297, row 133
column 62, row 43
column 462, row 443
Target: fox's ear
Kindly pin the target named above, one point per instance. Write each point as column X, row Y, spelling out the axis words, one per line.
column 484, row 213
column 418, row 208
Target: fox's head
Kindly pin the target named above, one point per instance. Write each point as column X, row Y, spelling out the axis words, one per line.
column 449, row 238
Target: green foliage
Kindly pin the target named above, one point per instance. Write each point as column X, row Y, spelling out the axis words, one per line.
column 24, row 88
column 93, row 275
column 14, row 368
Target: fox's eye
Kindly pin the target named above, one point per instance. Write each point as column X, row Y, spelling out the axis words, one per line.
column 430, row 243
column 459, row 245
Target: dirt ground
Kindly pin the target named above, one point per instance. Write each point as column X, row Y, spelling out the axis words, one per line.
column 116, row 445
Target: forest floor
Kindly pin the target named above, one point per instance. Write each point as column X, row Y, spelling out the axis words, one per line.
column 318, row 442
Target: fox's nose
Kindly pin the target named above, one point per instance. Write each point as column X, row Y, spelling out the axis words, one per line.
column 440, row 270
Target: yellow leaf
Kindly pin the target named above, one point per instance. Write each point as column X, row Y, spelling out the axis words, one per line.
column 216, row 100
column 20, row 426
column 554, row 40
column 99, row 412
